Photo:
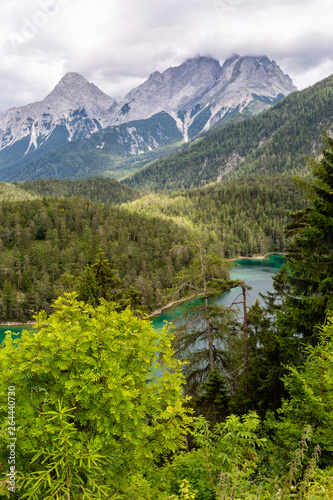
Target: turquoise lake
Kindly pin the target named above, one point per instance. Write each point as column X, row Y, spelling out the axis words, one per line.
column 256, row 273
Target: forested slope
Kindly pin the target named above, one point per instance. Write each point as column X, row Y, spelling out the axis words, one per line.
column 246, row 216
column 9, row 192
column 97, row 189
column 272, row 142
column 46, row 244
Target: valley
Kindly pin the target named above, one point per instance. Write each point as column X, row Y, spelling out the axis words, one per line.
column 47, row 242
column 208, row 186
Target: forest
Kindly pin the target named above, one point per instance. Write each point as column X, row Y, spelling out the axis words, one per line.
column 231, row 403
column 272, row 142
column 46, row 243
column 97, row 189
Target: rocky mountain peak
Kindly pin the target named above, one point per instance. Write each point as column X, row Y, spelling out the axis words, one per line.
column 172, row 91
column 196, row 94
column 75, row 92
column 247, row 84
column 257, row 70
column 75, row 106
column 154, row 75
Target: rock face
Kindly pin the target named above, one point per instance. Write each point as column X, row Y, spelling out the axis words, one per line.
column 200, row 92
column 247, row 85
column 196, row 95
column 75, row 108
column 175, row 91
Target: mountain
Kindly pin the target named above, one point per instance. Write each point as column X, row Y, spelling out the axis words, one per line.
column 190, row 98
column 111, row 152
column 273, row 142
column 75, row 107
column 200, row 92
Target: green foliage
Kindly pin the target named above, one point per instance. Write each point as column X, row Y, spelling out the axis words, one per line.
column 97, row 190
column 46, row 245
column 69, row 466
column 8, row 192
column 271, row 143
column 88, row 287
column 321, row 485
column 202, row 335
column 186, row 492
column 212, row 397
column 43, row 242
column 209, row 340
column 310, row 254
column 244, row 216
column 265, row 388
column 121, row 392
column 224, row 458
column 311, row 396
column 99, row 281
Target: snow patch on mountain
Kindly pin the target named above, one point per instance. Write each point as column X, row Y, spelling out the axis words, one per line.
column 197, row 94
column 77, row 105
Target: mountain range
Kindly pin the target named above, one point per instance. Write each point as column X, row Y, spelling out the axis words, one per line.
column 78, row 131
column 277, row 141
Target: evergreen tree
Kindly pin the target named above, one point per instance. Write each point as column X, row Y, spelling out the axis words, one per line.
column 212, row 398
column 311, row 397
column 310, row 255
column 265, row 388
column 88, row 288
column 99, row 281
column 207, row 337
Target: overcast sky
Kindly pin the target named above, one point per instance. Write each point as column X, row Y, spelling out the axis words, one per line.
column 116, row 44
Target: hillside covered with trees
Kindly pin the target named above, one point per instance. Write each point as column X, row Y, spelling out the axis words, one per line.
column 107, row 407
column 273, row 142
column 245, row 216
column 47, row 243
column 97, row 189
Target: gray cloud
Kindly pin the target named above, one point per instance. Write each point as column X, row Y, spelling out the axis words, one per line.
column 118, row 44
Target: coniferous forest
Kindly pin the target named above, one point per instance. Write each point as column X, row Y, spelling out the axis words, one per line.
column 47, row 243
column 228, row 403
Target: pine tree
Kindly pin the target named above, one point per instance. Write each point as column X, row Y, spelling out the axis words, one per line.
column 310, row 255
column 207, row 337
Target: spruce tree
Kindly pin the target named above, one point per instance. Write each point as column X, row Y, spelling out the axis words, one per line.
column 310, row 254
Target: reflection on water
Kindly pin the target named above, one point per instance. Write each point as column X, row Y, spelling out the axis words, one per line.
column 257, row 273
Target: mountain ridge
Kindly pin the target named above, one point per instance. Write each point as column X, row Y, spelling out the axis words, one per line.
column 196, row 95
column 272, row 142
column 208, row 84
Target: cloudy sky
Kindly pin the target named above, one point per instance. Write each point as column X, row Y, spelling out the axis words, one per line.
column 116, row 44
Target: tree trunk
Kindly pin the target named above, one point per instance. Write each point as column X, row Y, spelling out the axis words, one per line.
column 210, row 341
column 246, row 347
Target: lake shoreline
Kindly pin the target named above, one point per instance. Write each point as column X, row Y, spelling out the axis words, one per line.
column 3, row 325
column 164, row 308
column 257, row 257
column 257, row 273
